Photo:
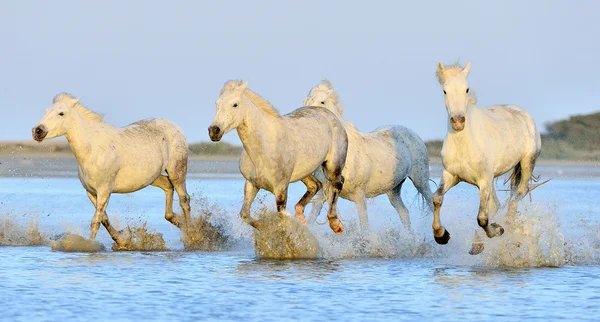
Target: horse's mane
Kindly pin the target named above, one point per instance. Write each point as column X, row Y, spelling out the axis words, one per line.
column 84, row 111
column 324, row 86
column 451, row 71
column 260, row 102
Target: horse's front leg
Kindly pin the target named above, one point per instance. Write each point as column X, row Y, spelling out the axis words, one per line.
column 100, row 201
column 312, row 187
column 440, row 234
column 485, row 193
column 250, row 191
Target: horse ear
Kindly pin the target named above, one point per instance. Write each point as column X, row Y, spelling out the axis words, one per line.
column 467, row 69
column 75, row 101
column 440, row 68
column 243, row 86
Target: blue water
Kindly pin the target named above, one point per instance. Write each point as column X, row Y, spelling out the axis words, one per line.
column 443, row 283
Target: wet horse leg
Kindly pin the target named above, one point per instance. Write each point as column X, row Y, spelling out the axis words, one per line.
column 312, row 187
column 485, row 191
column 317, row 206
column 100, row 216
column 361, row 208
column 440, row 234
column 395, row 196
column 164, row 183
column 334, row 173
column 250, row 191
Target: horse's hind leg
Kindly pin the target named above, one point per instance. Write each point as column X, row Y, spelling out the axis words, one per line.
column 312, row 187
column 334, row 173
column 165, row 184
column 395, row 196
column 177, row 172
column 522, row 188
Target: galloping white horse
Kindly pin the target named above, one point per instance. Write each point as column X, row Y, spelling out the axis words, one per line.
column 378, row 162
column 119, row 160
column 482, row 144
column 282, row 149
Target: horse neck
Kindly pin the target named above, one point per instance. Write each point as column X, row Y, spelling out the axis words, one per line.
column 80, row 137
column 257, row 132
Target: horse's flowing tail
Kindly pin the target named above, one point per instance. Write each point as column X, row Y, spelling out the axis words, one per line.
column 419, row 174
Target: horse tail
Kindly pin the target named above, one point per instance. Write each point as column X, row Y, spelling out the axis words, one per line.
column 515, row 177
column 419, row 173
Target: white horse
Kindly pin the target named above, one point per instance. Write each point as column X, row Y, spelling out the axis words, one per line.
column 282, row 149
column 378, row 162
column 119, row 160
column 482, row 144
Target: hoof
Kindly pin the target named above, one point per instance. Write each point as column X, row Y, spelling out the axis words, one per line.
column 498, row 230
column 123, row 241
column 255, row 224
column 476, row 249
column 444, row 239
column 336, row 226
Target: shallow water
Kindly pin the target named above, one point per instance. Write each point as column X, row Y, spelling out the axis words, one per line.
column 384, row 274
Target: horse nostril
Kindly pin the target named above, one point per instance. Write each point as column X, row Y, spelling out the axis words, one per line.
column 39, row 131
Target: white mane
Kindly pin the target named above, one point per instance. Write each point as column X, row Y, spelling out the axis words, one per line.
column 451, row 71
column 84, row 111
column 260, row 102
column 326, row 86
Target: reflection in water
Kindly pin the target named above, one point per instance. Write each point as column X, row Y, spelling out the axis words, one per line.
column 287, row 269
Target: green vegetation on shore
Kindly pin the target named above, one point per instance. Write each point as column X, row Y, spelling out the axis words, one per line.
column 574, row 139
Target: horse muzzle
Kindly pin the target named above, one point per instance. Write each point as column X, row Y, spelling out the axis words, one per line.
column 458, row 123
column 39, row 133
column 215, row 133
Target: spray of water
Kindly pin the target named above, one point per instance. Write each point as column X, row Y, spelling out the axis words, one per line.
column 281, row 236
column 532, row 238
column 15, row 234
column 71, row 242
column 208, row 227
column 141, row 239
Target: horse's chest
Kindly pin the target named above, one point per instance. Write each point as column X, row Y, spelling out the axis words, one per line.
column 464, row 164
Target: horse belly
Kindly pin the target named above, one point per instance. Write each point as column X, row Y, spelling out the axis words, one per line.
column 130, row 179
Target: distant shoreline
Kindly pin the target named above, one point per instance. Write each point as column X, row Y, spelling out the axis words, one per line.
column 230, row 157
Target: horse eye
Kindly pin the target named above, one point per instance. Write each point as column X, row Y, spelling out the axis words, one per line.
column 61, row 114
column 444, row 92
column 235, row 105
column 467, row 90
column 323, row 103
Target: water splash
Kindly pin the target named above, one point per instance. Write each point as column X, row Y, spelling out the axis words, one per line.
column 70, row 242
column 384, row 243
column 208, row 227
column 141, row 239
column 14, row 234
column 532, row 238
column 282, row 237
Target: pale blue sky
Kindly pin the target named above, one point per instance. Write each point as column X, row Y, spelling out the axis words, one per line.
column 139, row 59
